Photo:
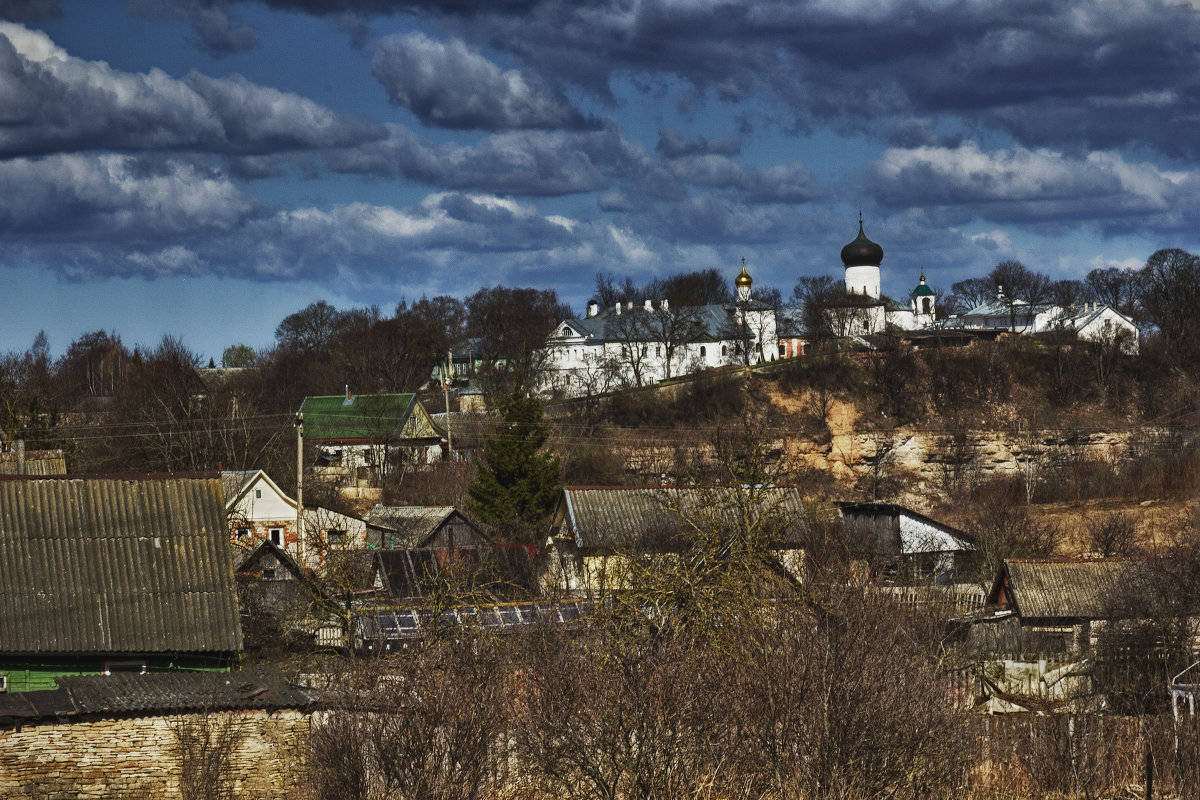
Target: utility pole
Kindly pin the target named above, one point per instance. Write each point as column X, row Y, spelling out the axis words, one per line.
column 446, row 392
column 299, row 424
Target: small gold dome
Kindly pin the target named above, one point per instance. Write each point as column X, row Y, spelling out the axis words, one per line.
column 743, row 278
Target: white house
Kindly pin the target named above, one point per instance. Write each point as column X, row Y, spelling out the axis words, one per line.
column 258, row 510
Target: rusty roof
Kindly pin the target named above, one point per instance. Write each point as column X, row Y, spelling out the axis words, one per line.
column 614, row 517
column 115, row 565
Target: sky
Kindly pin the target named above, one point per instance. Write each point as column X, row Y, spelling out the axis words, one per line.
column 205, row 167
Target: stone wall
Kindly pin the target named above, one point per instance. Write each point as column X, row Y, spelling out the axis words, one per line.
column 143, row 758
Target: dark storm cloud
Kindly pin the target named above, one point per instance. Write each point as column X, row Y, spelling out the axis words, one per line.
column 448, row 85
column 28, row 10
column 1074, row 73
column 52, row 102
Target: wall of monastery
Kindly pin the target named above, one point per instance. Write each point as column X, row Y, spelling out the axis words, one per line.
column 143, row 758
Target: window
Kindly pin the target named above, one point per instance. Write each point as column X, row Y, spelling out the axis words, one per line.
column 782, row 349
column 258, row 494
column 269, row 574
column 702, row 352
column 337, row 537
column 277, row 537
column 657, row 351
column 242, row 533
column 136, row 666
column 3, row 683
column 724, row 351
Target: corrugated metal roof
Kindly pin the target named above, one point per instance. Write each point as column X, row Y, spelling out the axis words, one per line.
column 364, row 416
column 115, row 565
column 1070, row 589
column 656, row 516
column 128, row 693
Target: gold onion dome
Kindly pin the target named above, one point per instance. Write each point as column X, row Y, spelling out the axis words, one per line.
column 743, row 278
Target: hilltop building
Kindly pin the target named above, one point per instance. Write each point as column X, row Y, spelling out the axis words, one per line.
column 627, row 345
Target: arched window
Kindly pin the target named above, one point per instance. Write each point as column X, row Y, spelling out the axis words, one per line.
column 926, row 303
column 702, row 353
column 724, row 351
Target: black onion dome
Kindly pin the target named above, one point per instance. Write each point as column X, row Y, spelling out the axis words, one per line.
column 862, row 252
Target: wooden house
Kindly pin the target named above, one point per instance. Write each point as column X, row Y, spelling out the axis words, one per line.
column 905, row 547
column 425, row 526
column 362, row 438
column 595, row 531
column 109, row 574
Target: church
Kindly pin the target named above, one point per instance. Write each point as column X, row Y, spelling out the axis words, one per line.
column 864, row 309
column 629, row 345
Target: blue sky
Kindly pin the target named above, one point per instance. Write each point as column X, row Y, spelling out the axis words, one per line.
column 205, row 167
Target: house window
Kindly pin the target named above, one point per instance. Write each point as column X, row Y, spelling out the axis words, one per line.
column 242, row 533
column 702, row 351
column 277, row 537
column 657, row 351
column 337, row 537
column 782, row 349
column 724, row 351
column 269, row 574
column 136, row 666
column 258, row 494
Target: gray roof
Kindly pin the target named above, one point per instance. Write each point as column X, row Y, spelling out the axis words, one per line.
column 1001, row 308
column 1067, row 588
column 233, row 482
column 129, row 694
column 115, row 565
column 615, row 517
column 715, row 323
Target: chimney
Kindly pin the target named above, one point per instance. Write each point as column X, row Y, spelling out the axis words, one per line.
column 349, row 401
column 593, row 308
column 617, row 308
column 629, row 305
column 649, row 305
column 663, row 305
column 19, row 446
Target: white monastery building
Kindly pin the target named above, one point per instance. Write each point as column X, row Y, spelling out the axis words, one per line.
column 629, row 345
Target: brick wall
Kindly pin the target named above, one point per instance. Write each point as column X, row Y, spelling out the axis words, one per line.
column 143, row 759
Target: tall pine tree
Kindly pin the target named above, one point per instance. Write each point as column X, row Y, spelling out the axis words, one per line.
column 517, row 483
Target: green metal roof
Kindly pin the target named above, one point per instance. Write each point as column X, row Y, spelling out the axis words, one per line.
column 922, row 290
column 365, row 416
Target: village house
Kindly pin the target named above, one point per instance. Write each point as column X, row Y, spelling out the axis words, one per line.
column 100, row 575
column 595, row 531
column 258, row 510
column 905, row 547
column 361, row 439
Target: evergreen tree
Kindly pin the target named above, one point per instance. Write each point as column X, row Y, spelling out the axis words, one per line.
column 517, row 483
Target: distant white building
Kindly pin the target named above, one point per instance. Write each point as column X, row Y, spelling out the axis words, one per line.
column 637, row 345
column 1095, row 322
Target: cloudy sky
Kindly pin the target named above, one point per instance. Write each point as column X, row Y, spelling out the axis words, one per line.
column 205, row 167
